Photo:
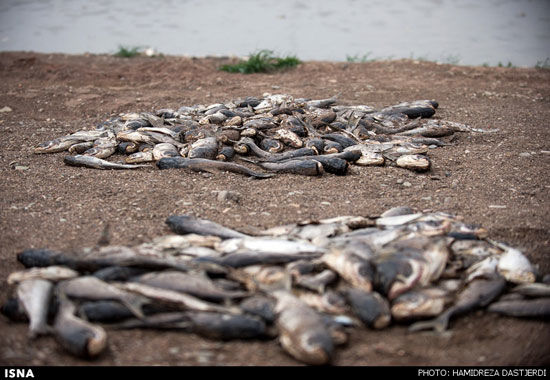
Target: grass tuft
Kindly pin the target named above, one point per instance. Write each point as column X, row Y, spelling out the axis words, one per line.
column 128, row 52
column 262, row 62
column 543, row 64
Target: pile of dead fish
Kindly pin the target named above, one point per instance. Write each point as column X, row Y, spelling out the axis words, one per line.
column 278, row 133
column 308, row 284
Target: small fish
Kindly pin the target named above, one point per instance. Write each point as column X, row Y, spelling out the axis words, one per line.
column 302, row 331
column 202, row 164
column 187, row 224
column 371, row 308
column 34, row 295
column 92, row 288
column 528, row 308
column 478, row 293
column 416, row 162
column 52, row 273
column 97, row 163
column 80, row 148
column 77, row 336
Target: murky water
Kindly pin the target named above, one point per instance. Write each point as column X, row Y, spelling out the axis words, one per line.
column 469, row 32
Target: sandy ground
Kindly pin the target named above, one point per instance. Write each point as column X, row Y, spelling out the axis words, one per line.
column 60, row 207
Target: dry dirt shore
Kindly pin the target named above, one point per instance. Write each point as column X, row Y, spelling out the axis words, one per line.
column 60, row 207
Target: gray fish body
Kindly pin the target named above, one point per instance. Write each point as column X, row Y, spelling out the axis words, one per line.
column 371, row 308
column 302, row 331
column 165, row 150
column 187, row 224
column 528, row 308
column 422, row 303
column 77, row 336
column 34, row 295
column 355, row 270
column 92, row 288
column 478, row 293
column 202, row 164
column 537, row 289
column 260, row 306
column 97, row 163
column 317, row 282
column 204, row 148
column 196, row 285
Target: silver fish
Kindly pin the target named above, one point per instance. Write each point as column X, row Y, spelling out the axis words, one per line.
column 186, row 224
column 529, row 308
column 92, row 288
column 97, row 163
column 355, row 270
column 34, row 295
column 52, row 273
column 371, row 308
column 164, row 150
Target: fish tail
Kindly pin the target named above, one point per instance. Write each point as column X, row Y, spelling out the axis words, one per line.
column 135, row 305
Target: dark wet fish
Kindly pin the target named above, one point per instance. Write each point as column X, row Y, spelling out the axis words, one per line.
column 302, row 167
column 97, row 163
column 187, row 224
column 202, row 164
column 528, row 308
column 226, row 153
column 302, row 331
column 261, row 306
column 371, row 308
column 204, row 148
column 118, row 273
column 226, row 326
column 478, row 293
column 247, row 258
column 92, row 288
column 34, row 295
column 79, row 337
column 538, row 289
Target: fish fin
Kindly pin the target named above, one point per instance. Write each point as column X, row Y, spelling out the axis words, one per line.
column 135, row 304
column 439, row 324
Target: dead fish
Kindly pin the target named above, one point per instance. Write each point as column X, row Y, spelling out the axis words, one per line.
column 371, row 308
column 169, row 297
column 164, row 150
column 302, row 331
column 344, row 141
column 77, row 336
column 92, row 288
column 397, row 211
column 397, row 273
column 322, row 103
column 261, row 306
column 317, row 282
column 289, row 138
column 80, row 148
column 188, row 224
column 418, row 304
column 204, row 148
column 97, row 163
column 332, row 147
column 34, row 295
column 329, row 302
column 302, row 167
column 247, row 258
column 104, row 311
column 417, row 162
column 397, row 220
column 118, row 273
column 355, row 270
column 271, row 145
column 194, row 284
column 478, row 293
column 139, row 157
column 538, row 289
column 226, row 153
column 226, row 326
column 103, row 147
column 528, row 308
column 514, row 266
column 268, row 245
column 63, row 143
column 51, row 273
column 124, row 147
column 202, row 164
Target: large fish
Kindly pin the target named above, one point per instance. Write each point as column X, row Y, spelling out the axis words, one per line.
column 302, row 331
column 98, row 163
column 79, row 337
column 371, row 308
column 357, row 271
column 187, row 224
column 203, row 164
